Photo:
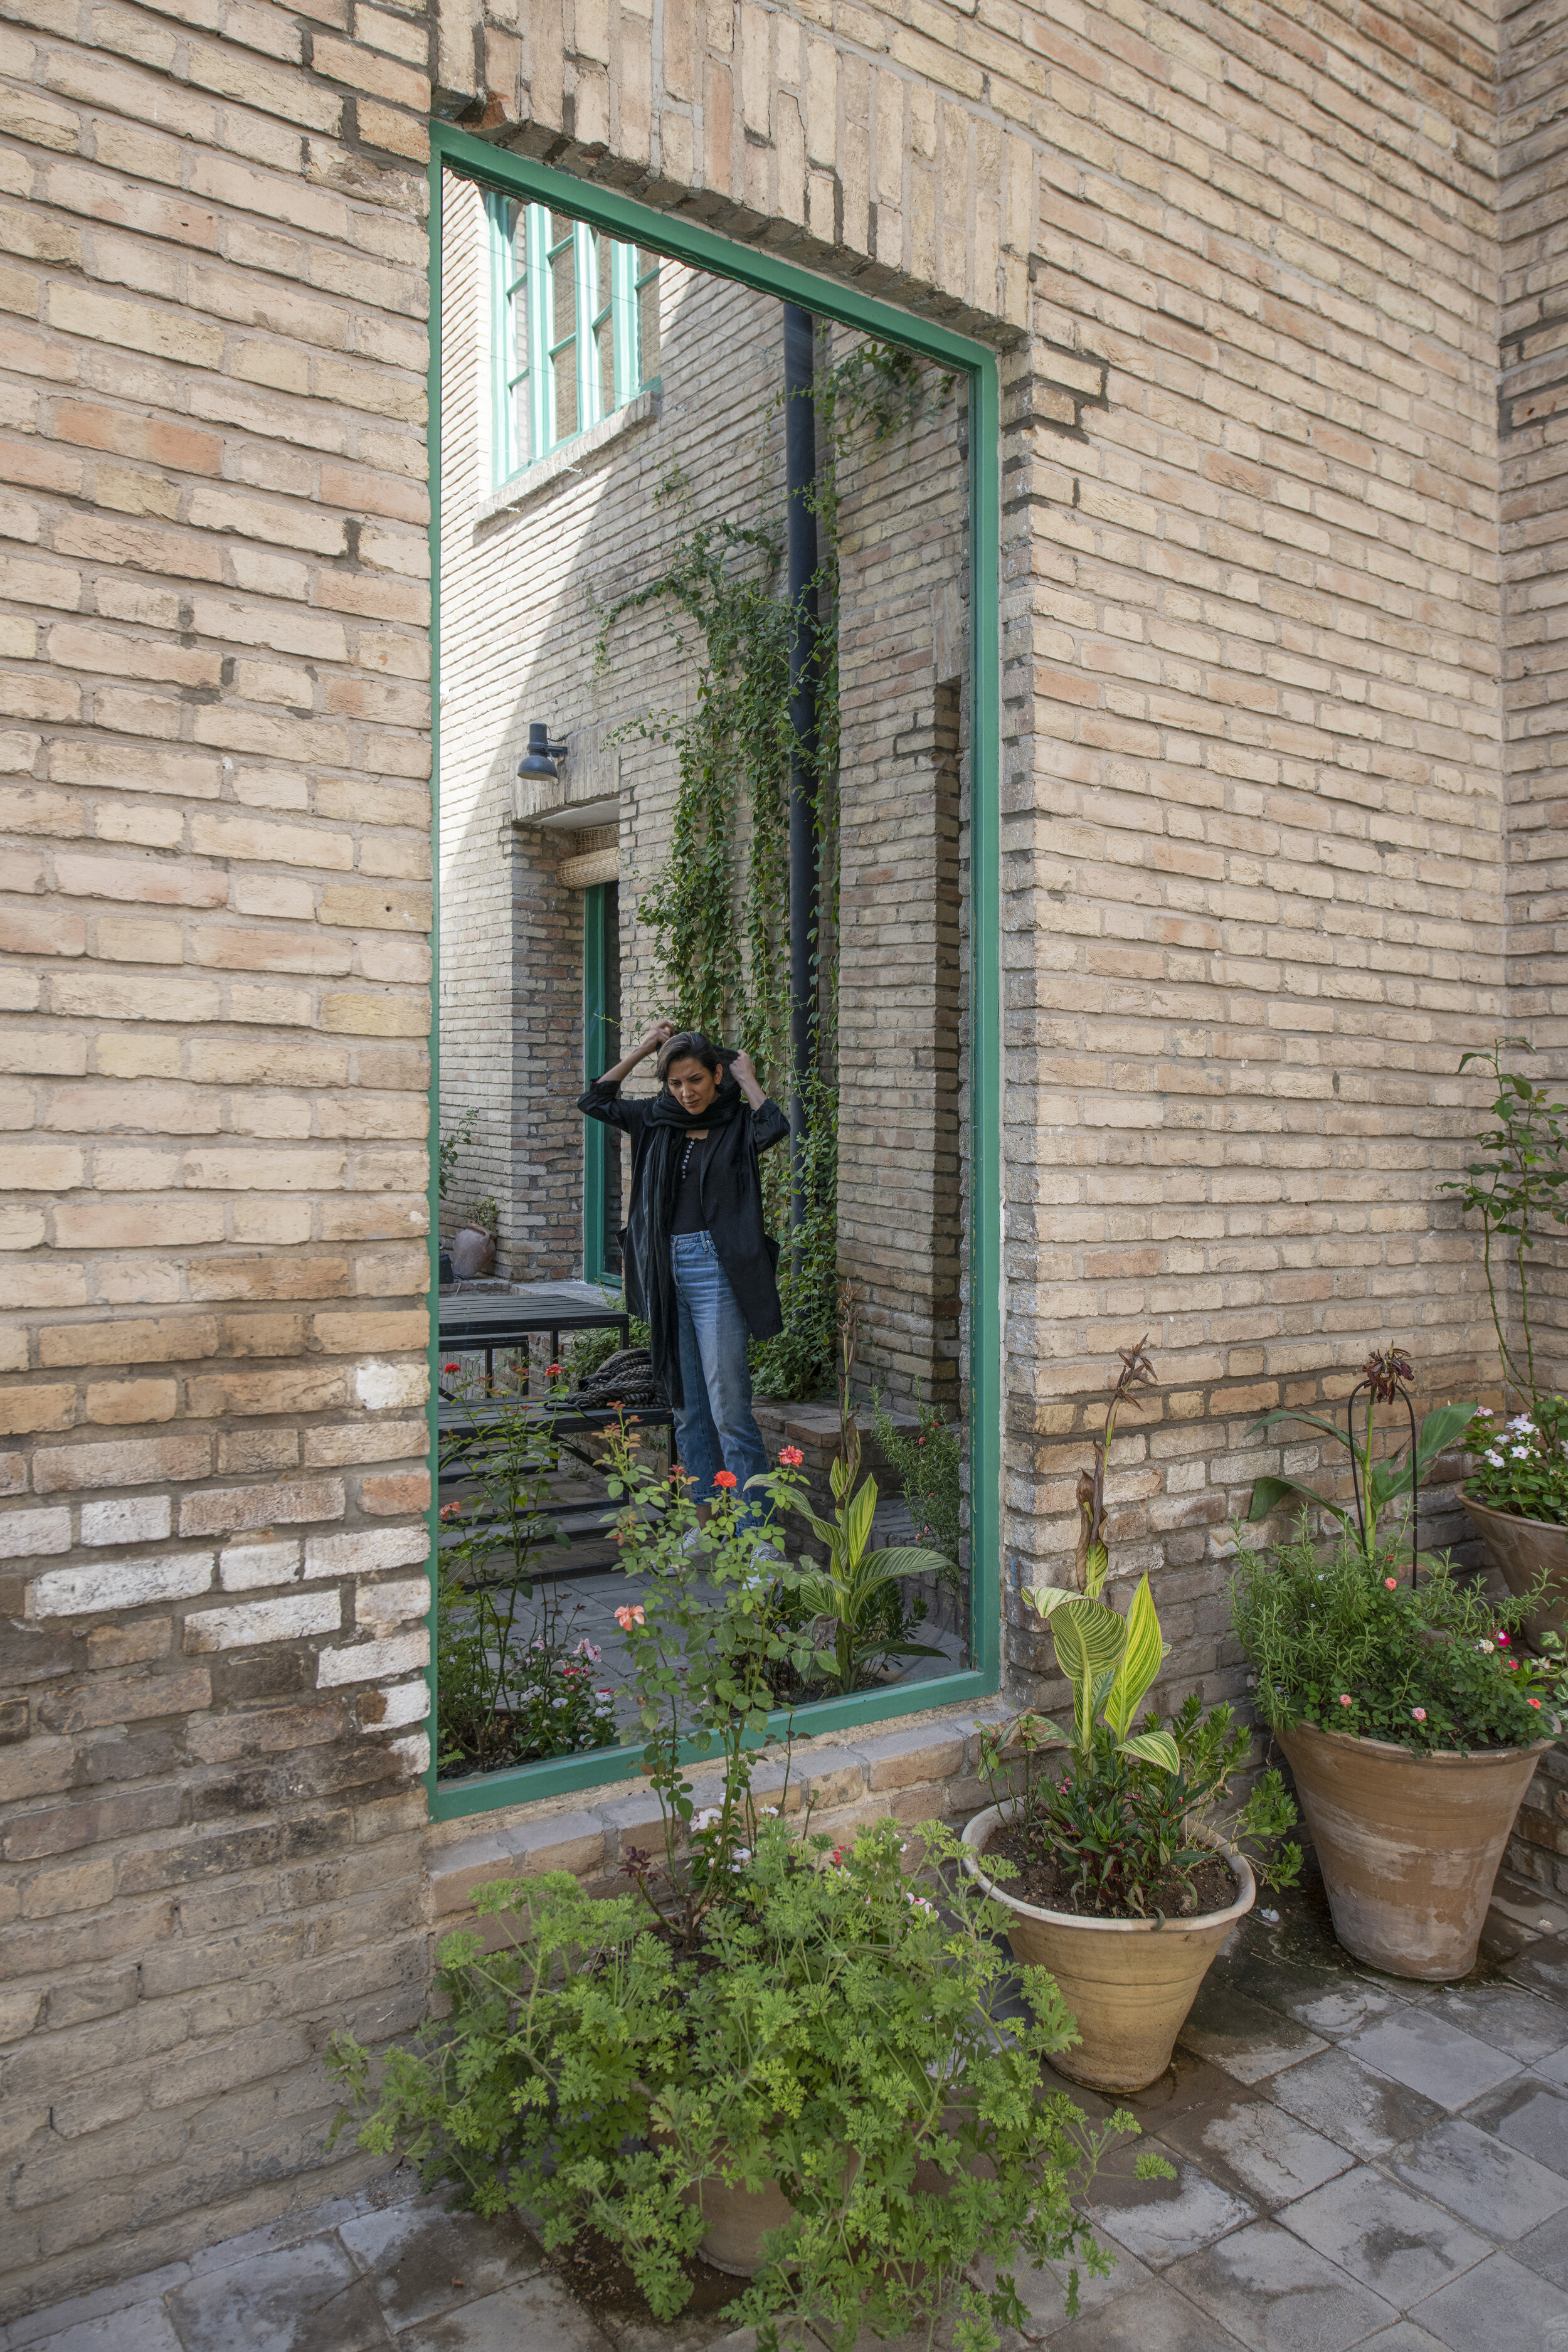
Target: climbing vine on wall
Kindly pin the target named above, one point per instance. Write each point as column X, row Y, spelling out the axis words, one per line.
column 718, row 908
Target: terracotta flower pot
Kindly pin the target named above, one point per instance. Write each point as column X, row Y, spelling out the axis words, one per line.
column 737, row 2220
column 1127, row 1982
column 1519, row 1548
column 1409, row 1844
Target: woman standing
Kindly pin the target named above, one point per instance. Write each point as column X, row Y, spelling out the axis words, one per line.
column 700, row 1267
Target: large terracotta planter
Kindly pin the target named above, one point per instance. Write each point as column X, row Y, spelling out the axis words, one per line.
column 1127, row 1982
column 1409, row 1844
column 1519, row 1549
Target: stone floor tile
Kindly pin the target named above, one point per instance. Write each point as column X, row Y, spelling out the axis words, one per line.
column 1403, row 2337
column 1553, row 2069
column 1154, row 2318
column 1546, row 2250
column 1243, row 2038
column 1278, row 2295
column 1161, row 2221
column 1187, row 2081
column 1399, row 2244
column 1544, row 1965
column 422, row 2260
column 1498, row 2303
column 1504, row 2018
column 35, row 2327
column 1432, row 2057
column 135, row 2327
column 1529, row 2114
column 1044, row 2296
column 304, row 2298
column 536, row 2315
column 1258, row 2149
column 1329, row 2001
column 1496, row 2188
column 1368, row 2113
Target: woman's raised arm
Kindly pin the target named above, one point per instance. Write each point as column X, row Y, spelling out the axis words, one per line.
column 649, row 1042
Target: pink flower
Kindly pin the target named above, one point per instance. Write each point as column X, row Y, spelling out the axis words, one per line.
column 791, row 1457
column 1344, row 1698
column 1392, row 1582
column 626, row 1618
column 1419, row 1713
column 1502, row 1640
column 450, row 1511
column 725, row 1478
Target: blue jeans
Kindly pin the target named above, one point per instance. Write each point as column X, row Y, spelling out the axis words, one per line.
column 715, row 1428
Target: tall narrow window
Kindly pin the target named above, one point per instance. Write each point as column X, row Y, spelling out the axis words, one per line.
column 575, row 328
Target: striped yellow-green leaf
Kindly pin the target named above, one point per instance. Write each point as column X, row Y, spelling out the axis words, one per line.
column 1140, row 1661
column 1153, row 1747
column 1089, row 1638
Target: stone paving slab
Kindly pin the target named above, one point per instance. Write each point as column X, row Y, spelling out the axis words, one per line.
column 1360, row 2162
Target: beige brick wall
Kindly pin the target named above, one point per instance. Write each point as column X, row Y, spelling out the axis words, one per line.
column 1243, row 272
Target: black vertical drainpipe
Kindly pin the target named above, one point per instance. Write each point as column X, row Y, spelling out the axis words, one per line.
column 800, row 475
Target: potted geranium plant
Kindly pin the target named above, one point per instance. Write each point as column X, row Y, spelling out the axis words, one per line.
column 1112, row 1857
column 786, row 2055
column 1518, row 1492
column 1410, row 1717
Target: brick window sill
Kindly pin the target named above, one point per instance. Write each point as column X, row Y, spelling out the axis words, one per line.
column 571, row 458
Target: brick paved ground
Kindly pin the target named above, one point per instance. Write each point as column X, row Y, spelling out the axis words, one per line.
column 1360, row 2161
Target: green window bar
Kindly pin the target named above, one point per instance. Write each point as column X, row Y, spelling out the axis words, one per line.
column 547, row 322
column 601, row 1049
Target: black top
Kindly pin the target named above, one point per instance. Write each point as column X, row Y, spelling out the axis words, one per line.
column 688, row 1217
column 729, row 1193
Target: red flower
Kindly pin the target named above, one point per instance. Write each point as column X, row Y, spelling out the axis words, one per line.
column 791, row 1457
column 1535, row 1702
column 553, row 1370
column 453, row 1367
column 725, row 1478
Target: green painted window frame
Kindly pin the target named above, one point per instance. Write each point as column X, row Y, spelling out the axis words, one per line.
column 524, row 294
column 597, row 1139
column 681, row 239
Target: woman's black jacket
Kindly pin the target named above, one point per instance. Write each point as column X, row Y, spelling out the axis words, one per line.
column 732, row 1202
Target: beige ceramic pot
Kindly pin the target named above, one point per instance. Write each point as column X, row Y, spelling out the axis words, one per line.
column 1409, row 1845
column 1127, row 1982
column 737, row 2220
column 1519, row 1549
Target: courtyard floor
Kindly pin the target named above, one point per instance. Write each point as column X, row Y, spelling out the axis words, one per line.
column 1360, row 2161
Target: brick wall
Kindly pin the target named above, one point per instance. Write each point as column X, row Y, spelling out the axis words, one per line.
column 1243, row 269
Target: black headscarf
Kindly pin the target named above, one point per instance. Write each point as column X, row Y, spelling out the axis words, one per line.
column 668, row 1126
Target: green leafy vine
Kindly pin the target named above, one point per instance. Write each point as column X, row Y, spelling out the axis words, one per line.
column 718, row 907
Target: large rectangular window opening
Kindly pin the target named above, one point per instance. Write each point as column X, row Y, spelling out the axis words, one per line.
column 717, row 744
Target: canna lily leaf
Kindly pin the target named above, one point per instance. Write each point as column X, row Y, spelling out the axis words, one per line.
column 1140, row 1661
column 1440, row 1428
column 1269, row 1493
column 1089, row 1638
column 906, row 1560
column 1153, row 1747
column 857, row 1519
column 1094, row 1568
column 1044, row 1598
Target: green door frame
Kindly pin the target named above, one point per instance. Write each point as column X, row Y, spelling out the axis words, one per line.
column 687, row 240
column 596, row 1136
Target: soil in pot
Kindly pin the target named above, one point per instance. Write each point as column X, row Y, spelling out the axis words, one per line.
column 1043, row 1881
column 597, row 2276
column 1408, row 1845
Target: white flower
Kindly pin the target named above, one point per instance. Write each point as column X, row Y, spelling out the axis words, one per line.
column 587, row 1650
column 1487, row 1646
column 1521, row 1420
column 1496, row 1460
column 706, row 1818
column 1520, row 1452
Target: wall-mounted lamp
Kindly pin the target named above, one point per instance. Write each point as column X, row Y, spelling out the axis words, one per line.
column 540, row 759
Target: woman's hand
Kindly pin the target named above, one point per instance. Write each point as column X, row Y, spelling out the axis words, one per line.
column 652, row 1039
column 746, row 1079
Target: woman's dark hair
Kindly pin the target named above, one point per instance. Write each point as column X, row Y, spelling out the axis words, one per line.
column 690, row 1045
